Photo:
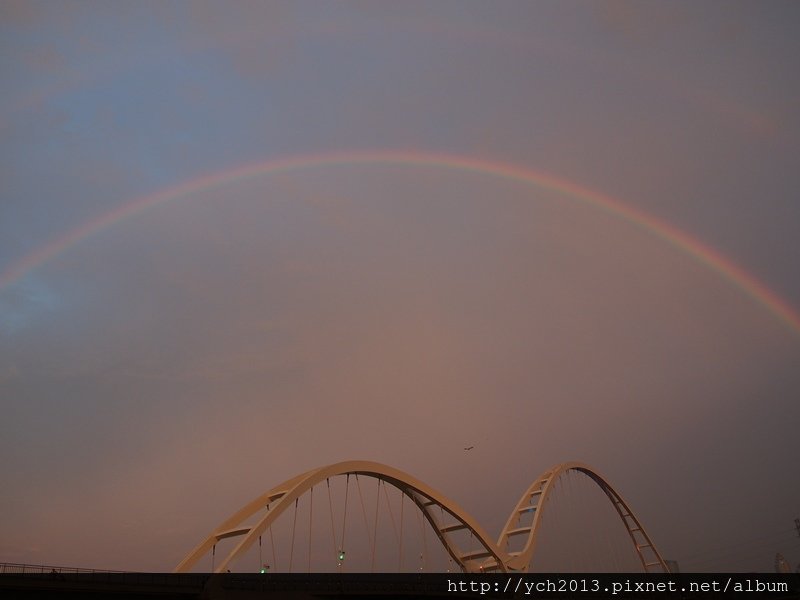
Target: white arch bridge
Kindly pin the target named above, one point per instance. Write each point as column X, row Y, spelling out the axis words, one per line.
column 418, row 518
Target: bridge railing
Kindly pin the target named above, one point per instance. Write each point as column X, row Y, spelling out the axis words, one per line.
column 77, row 579
column 21, row 568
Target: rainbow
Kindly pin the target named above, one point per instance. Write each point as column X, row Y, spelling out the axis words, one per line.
column 727, row 269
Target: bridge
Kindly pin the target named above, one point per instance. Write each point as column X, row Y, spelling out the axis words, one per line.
column 323, row 532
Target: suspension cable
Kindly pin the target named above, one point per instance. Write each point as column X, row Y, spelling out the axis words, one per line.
column 344, row 516
column 420, row 520
column 330, row 508
column 363, row 510
column 272, row 542
column 425, row 547
column 375, row 529
column 471, row 542
column 294, row 525
column 400, row 562
column 310, row 514
column 391, row 514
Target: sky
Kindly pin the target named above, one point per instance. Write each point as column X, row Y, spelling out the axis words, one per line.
column 242, row 240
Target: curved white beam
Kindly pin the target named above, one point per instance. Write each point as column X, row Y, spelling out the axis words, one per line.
column 535, row 500
column 282, row 496
column 490, row 558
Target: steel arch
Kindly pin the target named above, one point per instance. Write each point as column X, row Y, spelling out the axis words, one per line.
column 282, row 496
column 492, row 557
column 534, row 500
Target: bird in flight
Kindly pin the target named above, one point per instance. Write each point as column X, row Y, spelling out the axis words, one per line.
column 469, row 448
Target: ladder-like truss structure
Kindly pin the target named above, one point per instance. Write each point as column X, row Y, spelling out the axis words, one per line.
column 444, row 516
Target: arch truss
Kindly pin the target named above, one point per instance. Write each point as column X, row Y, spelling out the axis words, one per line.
column 445, row 517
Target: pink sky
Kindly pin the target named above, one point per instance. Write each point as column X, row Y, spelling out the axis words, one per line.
column 164, row 370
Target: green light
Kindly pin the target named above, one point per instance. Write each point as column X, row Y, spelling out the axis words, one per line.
column 341, row 554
